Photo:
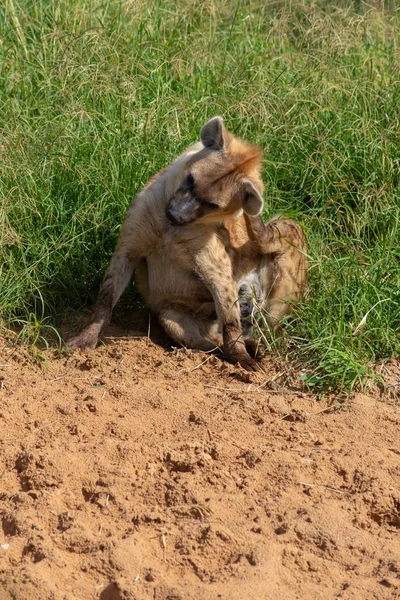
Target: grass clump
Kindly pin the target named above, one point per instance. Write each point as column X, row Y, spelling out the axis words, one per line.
column 95, row 97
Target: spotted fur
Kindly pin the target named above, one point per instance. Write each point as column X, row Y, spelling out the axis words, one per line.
column 192, row 234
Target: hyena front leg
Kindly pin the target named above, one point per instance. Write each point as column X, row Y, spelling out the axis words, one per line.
column 215, row 269
column 116, row 279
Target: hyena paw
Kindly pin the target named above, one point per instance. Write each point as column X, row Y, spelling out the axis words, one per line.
column 85, row 341
column 246, row 361
column 251, row 365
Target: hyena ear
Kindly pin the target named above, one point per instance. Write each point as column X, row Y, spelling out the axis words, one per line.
column 212, row 134
column 252, row 200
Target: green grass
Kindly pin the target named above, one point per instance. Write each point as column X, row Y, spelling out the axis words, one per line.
column 97, row 96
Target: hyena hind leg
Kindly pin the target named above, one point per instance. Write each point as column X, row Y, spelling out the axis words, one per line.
column 115, row 281
column 187, row 331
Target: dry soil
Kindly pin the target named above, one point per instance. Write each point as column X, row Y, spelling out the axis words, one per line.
column 143, row 472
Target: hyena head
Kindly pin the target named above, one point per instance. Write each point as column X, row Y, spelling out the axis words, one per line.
column 219, row 181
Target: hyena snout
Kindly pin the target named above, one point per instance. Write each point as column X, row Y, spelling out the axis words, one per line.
column 250, row 296
column 246, row 308
column 183, row 209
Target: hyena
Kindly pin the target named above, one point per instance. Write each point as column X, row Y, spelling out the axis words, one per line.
column 192, row 235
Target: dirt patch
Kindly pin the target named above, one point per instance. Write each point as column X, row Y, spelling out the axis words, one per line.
column 143, row 472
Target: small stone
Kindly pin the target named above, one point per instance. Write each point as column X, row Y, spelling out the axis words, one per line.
column 252, row 559
column 284, row 528
column 388, row 583
column 149, row 576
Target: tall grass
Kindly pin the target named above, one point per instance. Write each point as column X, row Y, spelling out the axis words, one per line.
column 97, row 96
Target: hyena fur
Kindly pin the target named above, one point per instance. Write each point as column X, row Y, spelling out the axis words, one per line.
column 192, row 235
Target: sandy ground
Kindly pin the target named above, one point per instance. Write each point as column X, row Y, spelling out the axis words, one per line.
column 142, row 472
